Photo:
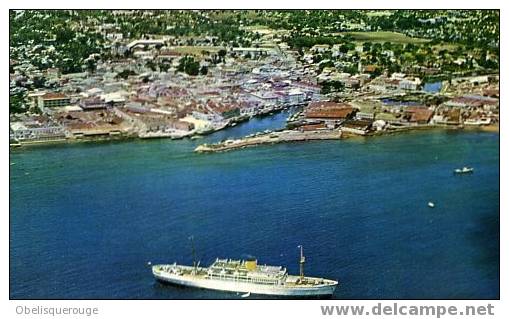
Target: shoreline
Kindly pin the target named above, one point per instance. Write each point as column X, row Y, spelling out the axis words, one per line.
column 493, row 128
column 128, row 137
column 69, row 141
column 290, row 136
column 260, row 139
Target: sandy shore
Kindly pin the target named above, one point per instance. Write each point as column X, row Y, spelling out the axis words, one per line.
column 491, row 128
column 485, row 128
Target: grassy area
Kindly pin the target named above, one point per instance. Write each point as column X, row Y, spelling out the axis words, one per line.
column 255, row 27
column 371, row 107
column 445, row 46
column 384, row 36
column 195, row 50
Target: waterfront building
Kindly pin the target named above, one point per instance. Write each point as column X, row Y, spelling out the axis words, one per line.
column 266, row 97
column 358, row 127
column 473, row 101
column 365, row 115
column 296, row 96
column 329, row 110
column 36, row 131
column 50, row 100
column 418, row 114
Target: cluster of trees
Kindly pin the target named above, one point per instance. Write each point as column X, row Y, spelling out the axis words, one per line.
column 187, row 64
column 459, row 26
column 399, row 57
column 222, row 27
column 125, row 74
column 215, row 58
column 17, row 102
column 300, row 41
column 61, row 29
column 332, row 87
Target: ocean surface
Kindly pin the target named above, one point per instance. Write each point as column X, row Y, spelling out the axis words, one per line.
column 85, row 219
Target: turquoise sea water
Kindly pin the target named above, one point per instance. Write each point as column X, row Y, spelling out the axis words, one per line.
column 85, row 219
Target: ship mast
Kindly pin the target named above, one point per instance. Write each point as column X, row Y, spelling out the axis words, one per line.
column 301, row 262
column 191, row 238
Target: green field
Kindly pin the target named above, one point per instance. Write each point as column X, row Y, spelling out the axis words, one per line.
column 384, row 36
column 195, row 50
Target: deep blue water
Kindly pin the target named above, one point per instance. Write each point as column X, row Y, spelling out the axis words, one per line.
column 85, row 219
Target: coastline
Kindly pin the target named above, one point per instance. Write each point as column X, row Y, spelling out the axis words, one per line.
column 494, row 128
column 71, row 141
column 130, row 136
column 289, row 136
column 283, row 136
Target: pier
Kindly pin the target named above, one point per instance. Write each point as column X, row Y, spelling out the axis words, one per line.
column 270, row 138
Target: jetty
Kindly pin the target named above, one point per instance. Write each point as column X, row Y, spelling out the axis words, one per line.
column 269, row 138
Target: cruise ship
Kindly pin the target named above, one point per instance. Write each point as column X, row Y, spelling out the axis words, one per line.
column 247, row 277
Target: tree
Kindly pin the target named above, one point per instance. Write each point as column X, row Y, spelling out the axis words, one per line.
column 221, row 53
column 17, row 102
column 188, row 65
column 151, row 65
column 343, row 48
column 332, row 87
column 91, row 66
column 366, row 46
column 39, row 82
column 164, row 67
column 125, row 74
column 204, row 70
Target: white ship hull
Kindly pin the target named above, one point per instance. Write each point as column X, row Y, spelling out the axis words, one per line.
column 325, row 289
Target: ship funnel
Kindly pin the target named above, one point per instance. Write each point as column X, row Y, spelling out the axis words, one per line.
column 251, row 264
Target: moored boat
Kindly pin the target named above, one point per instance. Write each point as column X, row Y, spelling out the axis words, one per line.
column 464, row 170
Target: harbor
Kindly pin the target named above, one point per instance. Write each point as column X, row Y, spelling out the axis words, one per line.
column 192, row 154
column 251, row 203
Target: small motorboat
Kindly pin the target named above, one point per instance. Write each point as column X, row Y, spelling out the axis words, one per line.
column 431, row 204
column 247, row 294
column 464, row 170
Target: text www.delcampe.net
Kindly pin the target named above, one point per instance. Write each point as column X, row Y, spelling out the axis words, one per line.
column 407, row 310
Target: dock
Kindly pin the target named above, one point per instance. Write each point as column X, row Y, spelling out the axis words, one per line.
column 269, row 138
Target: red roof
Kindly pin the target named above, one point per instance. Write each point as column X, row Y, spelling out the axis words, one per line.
column 329, row 110
column 54, row 96
column 419, row 114
column 312, row 127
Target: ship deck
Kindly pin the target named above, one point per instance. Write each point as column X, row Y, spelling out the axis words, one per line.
column 292, row 281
